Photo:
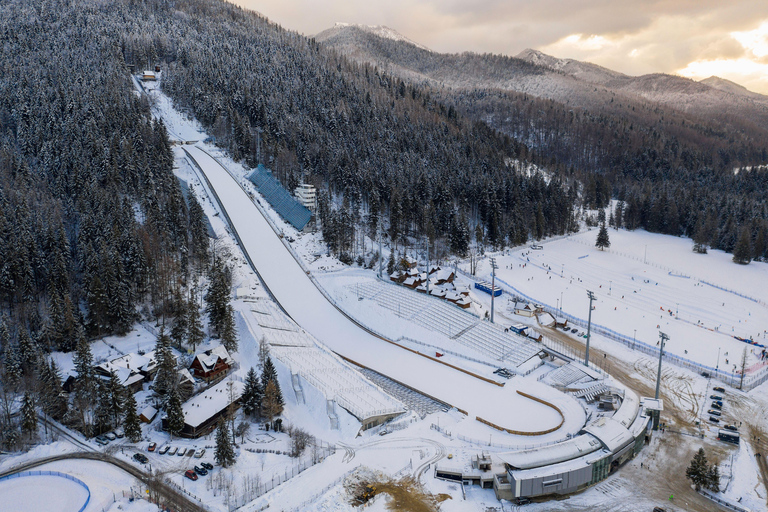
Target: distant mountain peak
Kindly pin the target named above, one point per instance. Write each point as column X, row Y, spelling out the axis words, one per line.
column 381, row 31
column 583, row 70
column 728, row 86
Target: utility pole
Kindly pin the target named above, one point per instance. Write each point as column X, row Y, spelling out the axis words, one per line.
column 493, row 284
column 664, row 338
column 589, row 326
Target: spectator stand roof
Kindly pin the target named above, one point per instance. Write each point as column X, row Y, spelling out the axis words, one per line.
column 281, row 200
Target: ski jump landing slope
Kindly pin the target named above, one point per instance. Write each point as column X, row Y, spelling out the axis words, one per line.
column 297, row 294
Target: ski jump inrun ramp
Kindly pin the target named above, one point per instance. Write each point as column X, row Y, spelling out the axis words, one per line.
column 298, row 295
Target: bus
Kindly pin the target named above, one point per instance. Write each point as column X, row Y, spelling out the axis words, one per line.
column 728, row 436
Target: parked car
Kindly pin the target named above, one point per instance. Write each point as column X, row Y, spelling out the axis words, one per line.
column 573, row 329
column 732, row 428
column 713, row 419
column 152, row 447
column 383, row 433
column 173, row 450
column 199, row 453
column 102, row 440
column 190, row 474
column 658, row 509
column 120, row 433
column 164, row 449
column 201, row 471
column 182, row 451
column 714, row 412
column 207, row 465
column 715, row 397
column 140, row 457
column 110, row 435
column 719, row 389
column 522, row 501
column 717, row 405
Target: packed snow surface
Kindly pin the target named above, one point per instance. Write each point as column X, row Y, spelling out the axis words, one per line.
column 33, row 493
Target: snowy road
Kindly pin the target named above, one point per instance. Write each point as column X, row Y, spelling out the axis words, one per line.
column 298, row 295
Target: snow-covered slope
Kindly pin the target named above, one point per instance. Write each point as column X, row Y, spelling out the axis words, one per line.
column 340, row 29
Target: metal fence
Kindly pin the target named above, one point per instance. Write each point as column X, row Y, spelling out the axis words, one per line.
column 53, row 473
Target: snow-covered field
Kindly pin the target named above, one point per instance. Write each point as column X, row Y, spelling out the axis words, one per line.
column 668, row 293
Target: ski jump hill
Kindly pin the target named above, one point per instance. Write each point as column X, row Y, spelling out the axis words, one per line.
column 520, row 406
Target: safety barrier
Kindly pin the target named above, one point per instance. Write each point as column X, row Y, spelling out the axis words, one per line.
column 53, row 473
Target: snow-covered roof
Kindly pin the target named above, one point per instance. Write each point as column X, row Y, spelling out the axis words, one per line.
column 209, row 358
column 560, row 468
column 610, row 432
column 149, row 412
column 410, row 281
column 552, row 454
column 437, row 292
column 202, row 407
column 186, row 376
column 629, row 408
column 221, row 351
column 639, row 425
column 136, row 361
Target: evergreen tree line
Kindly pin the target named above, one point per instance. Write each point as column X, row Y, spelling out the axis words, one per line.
column 378, row 147
column 94, row 230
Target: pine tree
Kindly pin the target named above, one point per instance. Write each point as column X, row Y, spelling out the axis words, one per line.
column 131, row 423
column 228, row 330
column 103, row 411
column 51, row 396
column 391, row 263
column 217, row 298
column 167, row 376
column 225, row 452
column 180, row 328
column 742, row 253
column 175, row 414
column 698, row 470
column 602, row 238
column 252, row 394
column 268, row 371
column 83, row 360
column 713, row 478
column 28, row 416
column 195, row 334
column 116, row 392
column 272, row 403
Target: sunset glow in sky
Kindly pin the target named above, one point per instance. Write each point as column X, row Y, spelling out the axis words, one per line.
column 693, row 38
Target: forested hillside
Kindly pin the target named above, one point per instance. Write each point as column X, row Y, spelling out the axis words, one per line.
column 375, row 144
column 94, row 230
column 666, row 146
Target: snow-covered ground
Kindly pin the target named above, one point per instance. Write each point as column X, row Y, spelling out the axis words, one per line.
column 668, row 293
column 680, row 275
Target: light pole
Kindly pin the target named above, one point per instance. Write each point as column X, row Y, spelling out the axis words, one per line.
column 610, row 287
column 677, row 309
column 634, row 336
column 664, row 338
column 561, row 302
column 427, row 240
column 589, row 326
column 493, row 284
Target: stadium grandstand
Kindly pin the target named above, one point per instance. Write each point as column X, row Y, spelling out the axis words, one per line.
column 281, row 200
column 452, row 322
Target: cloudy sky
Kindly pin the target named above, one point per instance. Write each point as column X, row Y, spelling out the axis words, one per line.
column 693, row 38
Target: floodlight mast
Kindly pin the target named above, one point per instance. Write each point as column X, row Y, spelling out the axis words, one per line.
column 664, row 338
column 592, row 297
column 493, row 284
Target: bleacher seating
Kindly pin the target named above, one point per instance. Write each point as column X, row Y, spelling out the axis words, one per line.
column 337, row 381
column 281, row 200
column 450, row 321
column 590, row 394
column 567, row 375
